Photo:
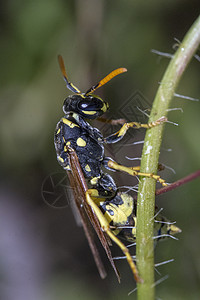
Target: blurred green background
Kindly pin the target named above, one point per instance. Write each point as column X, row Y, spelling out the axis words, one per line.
column 43, row 254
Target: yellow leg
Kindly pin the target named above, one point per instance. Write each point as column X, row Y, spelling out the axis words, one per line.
column 137, row 168
column 133, row 171
column 106, row 227
column 137, row 125
column 160, row 167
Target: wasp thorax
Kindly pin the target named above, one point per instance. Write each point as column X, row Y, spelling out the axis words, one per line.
column 88, row 106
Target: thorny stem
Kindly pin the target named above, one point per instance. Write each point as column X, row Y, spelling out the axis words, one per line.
column 149, row 162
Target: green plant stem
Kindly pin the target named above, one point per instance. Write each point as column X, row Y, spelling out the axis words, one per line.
column 149, row 162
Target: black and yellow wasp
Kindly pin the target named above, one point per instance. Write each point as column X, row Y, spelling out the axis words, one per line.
column 80, row 151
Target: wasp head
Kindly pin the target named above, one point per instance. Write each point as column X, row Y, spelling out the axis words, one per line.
column 88, row 106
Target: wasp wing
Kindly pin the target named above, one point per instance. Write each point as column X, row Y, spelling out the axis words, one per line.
column 86, row 226
column 77, row 180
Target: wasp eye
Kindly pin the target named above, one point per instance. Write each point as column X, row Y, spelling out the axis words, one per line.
column 92, row 104
column 86, row 105
column 83, row 105
column 91, row 107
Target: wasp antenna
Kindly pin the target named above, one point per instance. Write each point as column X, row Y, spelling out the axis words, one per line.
column 106, row 79
column 70, row 85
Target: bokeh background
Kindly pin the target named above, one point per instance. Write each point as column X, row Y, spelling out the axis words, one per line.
column 43, row 253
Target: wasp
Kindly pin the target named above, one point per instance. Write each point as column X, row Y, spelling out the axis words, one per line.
column 80, row 151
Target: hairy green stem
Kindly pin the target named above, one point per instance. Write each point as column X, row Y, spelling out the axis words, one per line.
column 149, row 163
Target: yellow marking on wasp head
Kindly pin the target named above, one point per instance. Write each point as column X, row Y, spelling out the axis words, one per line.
column 91, row 112
column 58, row 131
column 80, row 142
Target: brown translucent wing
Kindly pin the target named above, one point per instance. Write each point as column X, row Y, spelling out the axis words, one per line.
column 87, row 227
column 77, row 180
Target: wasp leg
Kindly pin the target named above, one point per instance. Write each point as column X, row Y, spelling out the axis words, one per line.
column 117, row 136
column 106, row 163
column 160, row 167
column 132, row 171
column 106, row 227
column 136, row 168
